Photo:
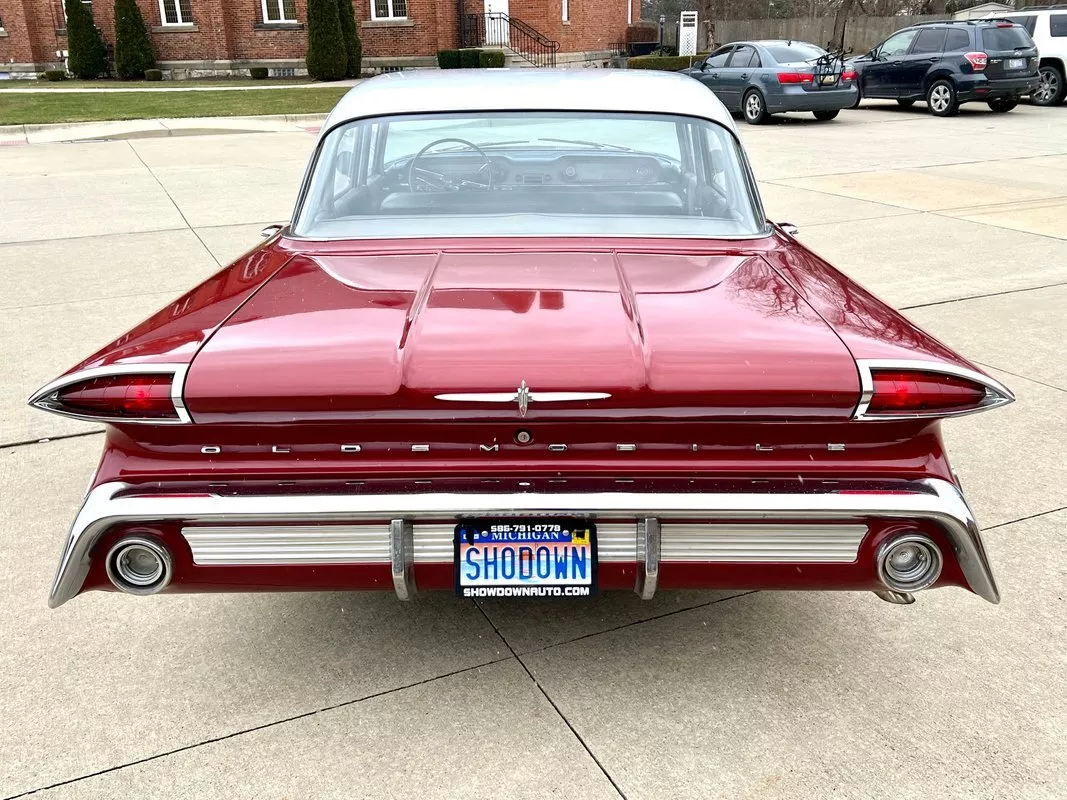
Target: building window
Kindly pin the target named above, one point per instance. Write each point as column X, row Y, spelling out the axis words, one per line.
column 279, row 11
column 566, row 11
column 175, row 12
column 388, row 9
column 629, row 12
column 63, row 8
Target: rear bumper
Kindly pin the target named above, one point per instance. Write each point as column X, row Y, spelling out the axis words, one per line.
column 982, row 88
column 795, row 98
column 378, row 537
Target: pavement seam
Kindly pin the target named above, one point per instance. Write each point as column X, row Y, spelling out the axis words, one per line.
column 130, row 233
column 982, row 296
column 552, row 703
column 256, row 728
column 47, row 439
column 1023, row 519
column 1020, row 377
column 944, row 213
column 173, row 203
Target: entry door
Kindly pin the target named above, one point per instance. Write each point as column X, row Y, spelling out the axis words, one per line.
column 882, row 76
column 496, row 28
column 734, row 77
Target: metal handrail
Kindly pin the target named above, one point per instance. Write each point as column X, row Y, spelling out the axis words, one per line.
column 499, row 29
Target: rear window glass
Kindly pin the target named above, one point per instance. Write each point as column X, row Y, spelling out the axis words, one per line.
column 788, row 53
column 1029, row 22
column 957, row 42
column 1006, row 38
column 1058, row 24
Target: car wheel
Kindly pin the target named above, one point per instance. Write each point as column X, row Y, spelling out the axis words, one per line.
column 1002, row 106
column 1051, row 88
column 941, row 98
column 754, row 108
column 905, row 103
column 825, row 116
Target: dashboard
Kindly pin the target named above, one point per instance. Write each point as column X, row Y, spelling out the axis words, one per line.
column 554, row 169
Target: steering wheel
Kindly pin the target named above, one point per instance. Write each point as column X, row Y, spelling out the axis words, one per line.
column 438, row 182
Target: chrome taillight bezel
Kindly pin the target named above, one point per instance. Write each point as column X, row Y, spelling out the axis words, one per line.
column 997, row 394
column 46, row 398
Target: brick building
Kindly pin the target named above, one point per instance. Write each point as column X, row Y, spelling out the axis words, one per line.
column 205, row 37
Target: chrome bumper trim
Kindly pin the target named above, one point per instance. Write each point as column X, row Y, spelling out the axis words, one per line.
column 932, row 499
column 835, row 544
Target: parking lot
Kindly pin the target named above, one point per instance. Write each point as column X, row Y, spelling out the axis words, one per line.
column 962, row 222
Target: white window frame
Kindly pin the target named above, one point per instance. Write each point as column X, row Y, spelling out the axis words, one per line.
column 64, row 7
column 629, row 12
column 279, row 5
column 566, row 10
column 177, row 12
column 389, row 6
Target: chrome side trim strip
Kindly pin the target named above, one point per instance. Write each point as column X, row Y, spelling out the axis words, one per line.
column 402, row 555
column 288, row 544
column 43, row 398
column 930, row 499
column 510, row 397
column 762, row 543
column 648, row 557
column 997, row 394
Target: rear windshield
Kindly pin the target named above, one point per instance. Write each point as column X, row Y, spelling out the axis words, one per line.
column 1013, row 38
column 1028, row 21
column 536, row 173
column 789, row 53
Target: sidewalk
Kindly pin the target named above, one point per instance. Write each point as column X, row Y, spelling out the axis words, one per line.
column 253, row 86
column 13, row 135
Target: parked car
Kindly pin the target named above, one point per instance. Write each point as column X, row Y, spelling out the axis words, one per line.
column 951, row 62
column 529, row 333
column 762, row 78
column 1047, row 26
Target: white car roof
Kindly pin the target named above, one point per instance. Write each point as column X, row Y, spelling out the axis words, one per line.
column 428, row 91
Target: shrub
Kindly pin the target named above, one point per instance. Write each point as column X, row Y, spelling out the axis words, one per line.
column 153, row 74
column 448, row 59
column 86, row 51
column 353, row 47
column 470, row 58
column 491, row 58
column 327, row 59
column 667, row 63
column 133, row 49
column 259, row 73
column 54, row 75
column 642, row 33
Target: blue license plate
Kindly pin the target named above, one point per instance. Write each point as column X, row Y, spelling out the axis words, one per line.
column 543, row 557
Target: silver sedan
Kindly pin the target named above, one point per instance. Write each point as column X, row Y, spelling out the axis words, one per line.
column 762, row 78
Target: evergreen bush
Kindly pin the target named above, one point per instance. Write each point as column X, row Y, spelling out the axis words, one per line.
column 133, row 48
column 86, row 51
column 470, row 58
column 491, row 59
column 153, row 74
column 448, row 59
column 327, row 59
column 54, row 75
column 353, row 46
column 259, row 73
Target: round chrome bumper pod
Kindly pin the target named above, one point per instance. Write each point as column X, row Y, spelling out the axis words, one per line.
column 137, row 565
column 909, row 562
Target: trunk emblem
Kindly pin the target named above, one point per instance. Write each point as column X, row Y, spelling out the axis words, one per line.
column 523, row 396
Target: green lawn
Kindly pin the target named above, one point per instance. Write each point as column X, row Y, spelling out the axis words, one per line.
column 110, row 84
column 43, row 107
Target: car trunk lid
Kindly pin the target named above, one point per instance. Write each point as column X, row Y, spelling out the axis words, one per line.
column 591, row 334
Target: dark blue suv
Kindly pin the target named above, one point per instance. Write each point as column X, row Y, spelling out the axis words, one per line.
column 952, row 62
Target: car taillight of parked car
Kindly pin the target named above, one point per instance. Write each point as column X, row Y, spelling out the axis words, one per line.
column 849, row 75
column 976, row 60
column 795, row 77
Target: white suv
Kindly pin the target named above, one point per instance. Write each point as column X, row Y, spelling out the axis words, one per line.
column 1047, row 26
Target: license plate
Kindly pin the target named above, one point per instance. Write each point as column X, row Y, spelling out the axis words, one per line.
column 547, row 557
column 828, row 79
column 1016, row 63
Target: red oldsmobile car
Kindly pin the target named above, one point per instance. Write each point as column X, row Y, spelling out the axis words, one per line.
column 528, row 333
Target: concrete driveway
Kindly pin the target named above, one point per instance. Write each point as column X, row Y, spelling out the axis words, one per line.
column 962, row 222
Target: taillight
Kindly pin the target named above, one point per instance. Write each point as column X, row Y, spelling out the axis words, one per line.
column 915, row 390
column 977, row 60
column 795, row 77
column 112, row 395
column 849, row 75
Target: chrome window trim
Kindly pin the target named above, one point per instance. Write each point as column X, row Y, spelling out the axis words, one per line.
column 42, row 397
column 997, row 394
column 931, row 499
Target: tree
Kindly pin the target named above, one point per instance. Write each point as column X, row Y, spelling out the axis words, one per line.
column 353, row 47
column 133, row 48
column 86, row 51
column 327, row 59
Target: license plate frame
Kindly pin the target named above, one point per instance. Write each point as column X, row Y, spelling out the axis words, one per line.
column 572, row 557
column 828, row 80
column 1016, row 63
